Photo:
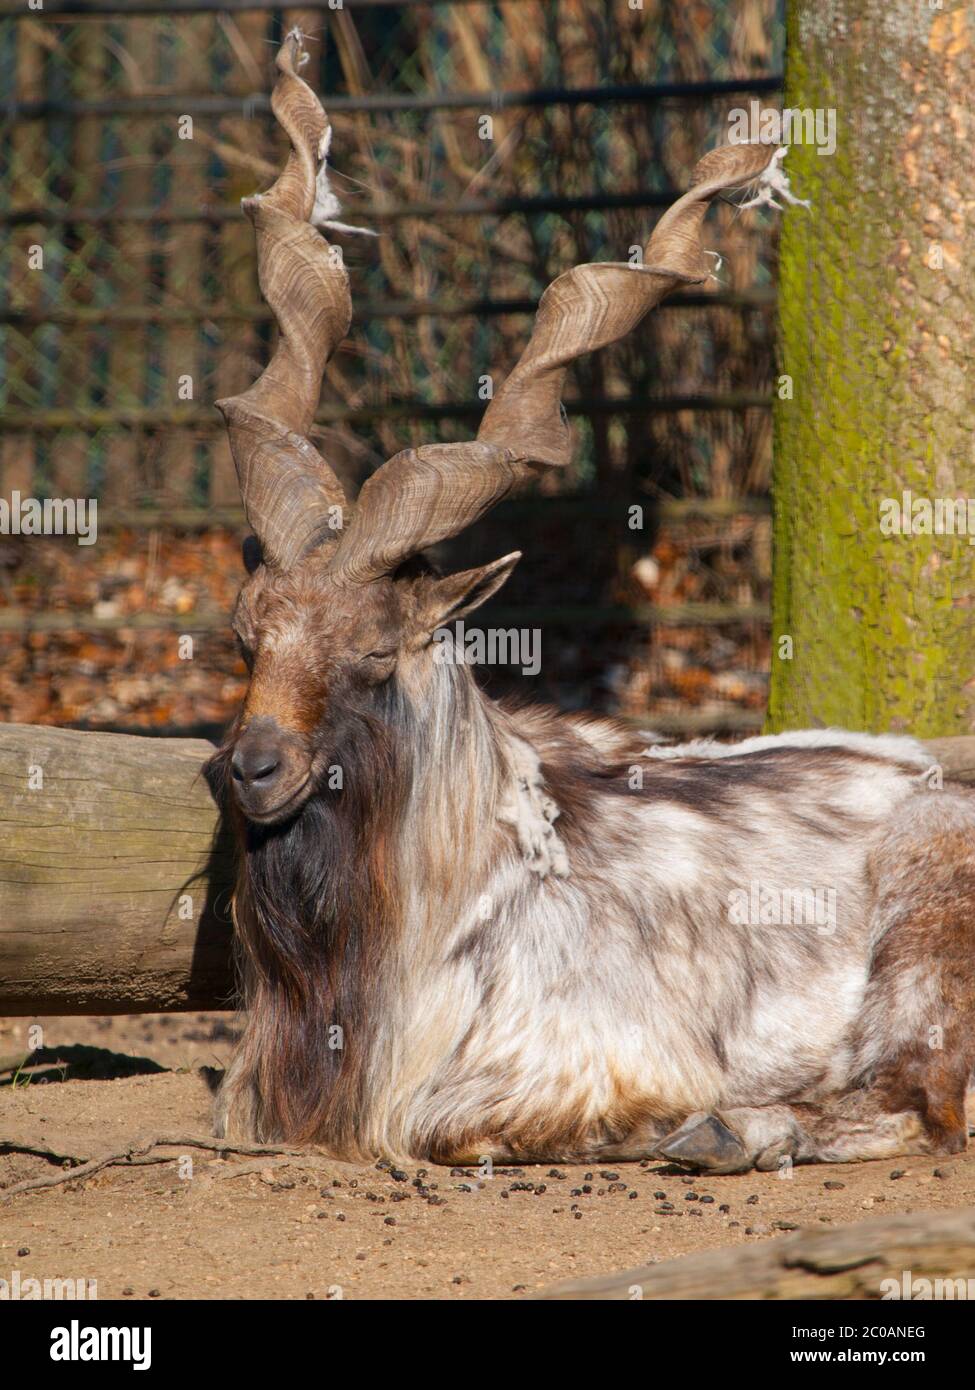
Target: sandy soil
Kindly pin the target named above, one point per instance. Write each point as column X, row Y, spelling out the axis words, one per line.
column 200, row 1226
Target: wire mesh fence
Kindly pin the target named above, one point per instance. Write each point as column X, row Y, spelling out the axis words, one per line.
column 490, row 146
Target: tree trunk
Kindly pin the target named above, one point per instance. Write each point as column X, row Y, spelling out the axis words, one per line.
column 877, row 302
column 848, row 1262
column 115, row 875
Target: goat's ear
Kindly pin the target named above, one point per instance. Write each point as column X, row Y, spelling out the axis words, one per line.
column 445, row 599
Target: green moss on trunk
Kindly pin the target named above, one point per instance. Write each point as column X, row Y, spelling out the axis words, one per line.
column 876, row 316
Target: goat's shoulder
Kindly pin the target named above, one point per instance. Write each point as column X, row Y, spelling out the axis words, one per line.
column 853, row 775
column 598, row 740
column 559, row 736
column 823, row 746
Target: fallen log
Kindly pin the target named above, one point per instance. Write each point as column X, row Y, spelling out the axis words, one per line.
column 896, row 1256
column 115, row 872
column 115, row 875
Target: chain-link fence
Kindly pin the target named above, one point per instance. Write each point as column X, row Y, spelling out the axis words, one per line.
column 489, row 145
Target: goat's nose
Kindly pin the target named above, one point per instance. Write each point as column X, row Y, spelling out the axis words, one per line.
column 255, row 762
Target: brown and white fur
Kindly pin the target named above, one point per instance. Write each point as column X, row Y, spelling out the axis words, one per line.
column 531, row 956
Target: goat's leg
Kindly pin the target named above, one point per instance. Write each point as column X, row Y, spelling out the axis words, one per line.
column 914, row 1041
column 854, row 1126
column 235, row 1104
column 912, row 1049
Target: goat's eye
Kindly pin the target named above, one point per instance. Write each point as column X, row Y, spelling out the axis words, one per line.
column 378, row 666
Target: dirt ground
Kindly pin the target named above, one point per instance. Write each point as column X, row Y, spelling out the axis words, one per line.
column 202, row 1226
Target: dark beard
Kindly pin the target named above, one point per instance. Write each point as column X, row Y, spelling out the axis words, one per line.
column 315, row 911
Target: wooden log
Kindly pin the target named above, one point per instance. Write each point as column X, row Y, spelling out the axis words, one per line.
column 842, row 1263
column 116, row 873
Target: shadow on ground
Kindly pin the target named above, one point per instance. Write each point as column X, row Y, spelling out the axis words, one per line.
column 76, row 1062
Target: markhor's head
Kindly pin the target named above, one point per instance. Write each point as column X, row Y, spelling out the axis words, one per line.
column 338, row 605
column 323, row 654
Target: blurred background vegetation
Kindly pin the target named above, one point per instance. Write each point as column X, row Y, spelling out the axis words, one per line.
column 598, row 112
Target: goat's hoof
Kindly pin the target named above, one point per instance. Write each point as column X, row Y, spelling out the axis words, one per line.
column 705, row 1143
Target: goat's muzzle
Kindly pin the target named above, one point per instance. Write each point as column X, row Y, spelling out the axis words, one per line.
column 270, row 770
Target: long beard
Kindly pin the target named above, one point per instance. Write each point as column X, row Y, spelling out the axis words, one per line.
column 315, row 912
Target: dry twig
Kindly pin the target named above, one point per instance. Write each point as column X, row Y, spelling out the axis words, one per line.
column 139, row 1153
